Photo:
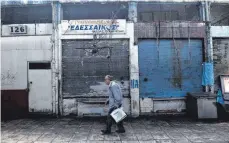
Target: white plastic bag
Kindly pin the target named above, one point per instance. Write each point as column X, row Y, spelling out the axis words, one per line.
column 118, row 115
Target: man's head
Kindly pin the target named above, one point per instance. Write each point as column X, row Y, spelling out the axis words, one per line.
column 108, row 79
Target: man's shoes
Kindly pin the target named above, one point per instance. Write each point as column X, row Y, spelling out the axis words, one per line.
column 105, row 132
column 120, row 131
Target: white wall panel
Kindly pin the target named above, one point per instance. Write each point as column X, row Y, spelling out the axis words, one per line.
column 16, row 52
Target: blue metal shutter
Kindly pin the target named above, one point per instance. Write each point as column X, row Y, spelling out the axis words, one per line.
column 170, row 68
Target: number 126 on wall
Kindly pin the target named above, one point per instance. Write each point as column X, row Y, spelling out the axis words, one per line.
column 19, row 29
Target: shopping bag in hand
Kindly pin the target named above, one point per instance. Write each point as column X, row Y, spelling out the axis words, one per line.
column 118, row 114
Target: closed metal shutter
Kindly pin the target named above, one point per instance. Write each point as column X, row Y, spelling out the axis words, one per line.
column 221, row 59
column 84, row 67
column 170, row 68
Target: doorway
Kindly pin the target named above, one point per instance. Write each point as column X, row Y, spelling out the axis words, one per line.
column 40, row 87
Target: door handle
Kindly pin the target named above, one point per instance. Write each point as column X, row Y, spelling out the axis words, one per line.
column 30, row 82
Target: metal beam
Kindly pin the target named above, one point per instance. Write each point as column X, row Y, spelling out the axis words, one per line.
column 81, row 1
column 56, row 56
column 209, row 46
column 26, row 2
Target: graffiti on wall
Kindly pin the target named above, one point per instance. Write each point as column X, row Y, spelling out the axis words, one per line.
column 8, row 78
column 134, row 83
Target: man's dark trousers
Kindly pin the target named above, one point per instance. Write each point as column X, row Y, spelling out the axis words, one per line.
column 110, row 120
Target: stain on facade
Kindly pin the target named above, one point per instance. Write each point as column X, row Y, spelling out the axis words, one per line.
column 176, row 64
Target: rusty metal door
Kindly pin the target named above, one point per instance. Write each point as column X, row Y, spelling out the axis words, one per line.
column 170, row 68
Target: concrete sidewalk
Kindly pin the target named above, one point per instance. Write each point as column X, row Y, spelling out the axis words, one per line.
column 70, row 130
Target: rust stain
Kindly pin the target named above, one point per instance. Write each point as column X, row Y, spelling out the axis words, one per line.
column 177, row 74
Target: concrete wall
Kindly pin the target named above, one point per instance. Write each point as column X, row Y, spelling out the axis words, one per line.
column 219, row 14
column 27, row 14
column 220, row 36
column 16, row 52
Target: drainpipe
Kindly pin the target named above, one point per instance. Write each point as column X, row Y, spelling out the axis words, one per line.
column 56, row 14
column 209, row 45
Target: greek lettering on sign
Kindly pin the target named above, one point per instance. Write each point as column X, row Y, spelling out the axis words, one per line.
column 94, row 27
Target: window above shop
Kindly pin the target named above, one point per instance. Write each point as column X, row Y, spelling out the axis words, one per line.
column 148, row 12
column 26, row 14
column 219, row 14
column 95, row 11
column 159, row 16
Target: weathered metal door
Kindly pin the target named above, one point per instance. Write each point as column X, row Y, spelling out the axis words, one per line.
column 170, row 68
column 40, row 88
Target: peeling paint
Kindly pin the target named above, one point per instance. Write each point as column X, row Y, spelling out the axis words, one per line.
column 70, row 106
column 176, row 105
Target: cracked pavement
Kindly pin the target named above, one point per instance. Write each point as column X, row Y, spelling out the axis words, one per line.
column 150, row 130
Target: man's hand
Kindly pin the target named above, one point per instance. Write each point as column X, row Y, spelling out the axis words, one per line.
column 107, row 102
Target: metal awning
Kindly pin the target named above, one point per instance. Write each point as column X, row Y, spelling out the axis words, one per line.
column 24, row 2
column 215, row 1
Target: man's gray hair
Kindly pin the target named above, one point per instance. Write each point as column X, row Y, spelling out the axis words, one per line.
column 109, row 77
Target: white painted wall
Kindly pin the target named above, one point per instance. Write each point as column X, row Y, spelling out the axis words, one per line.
column 16, row 52
column 6, row 29
column 32, row 29
column 134, row 72
column 220, row 31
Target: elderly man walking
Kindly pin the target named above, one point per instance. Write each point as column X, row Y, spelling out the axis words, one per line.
column 115, row 101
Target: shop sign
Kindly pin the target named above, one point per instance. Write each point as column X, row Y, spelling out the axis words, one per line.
column 103, row 26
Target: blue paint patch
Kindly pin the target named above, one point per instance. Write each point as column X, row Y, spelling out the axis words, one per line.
column 134, row 84
column 208, row 75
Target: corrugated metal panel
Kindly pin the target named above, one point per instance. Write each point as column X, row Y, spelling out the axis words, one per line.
column 83, row 72
column 170, row 68
column 221, row 59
